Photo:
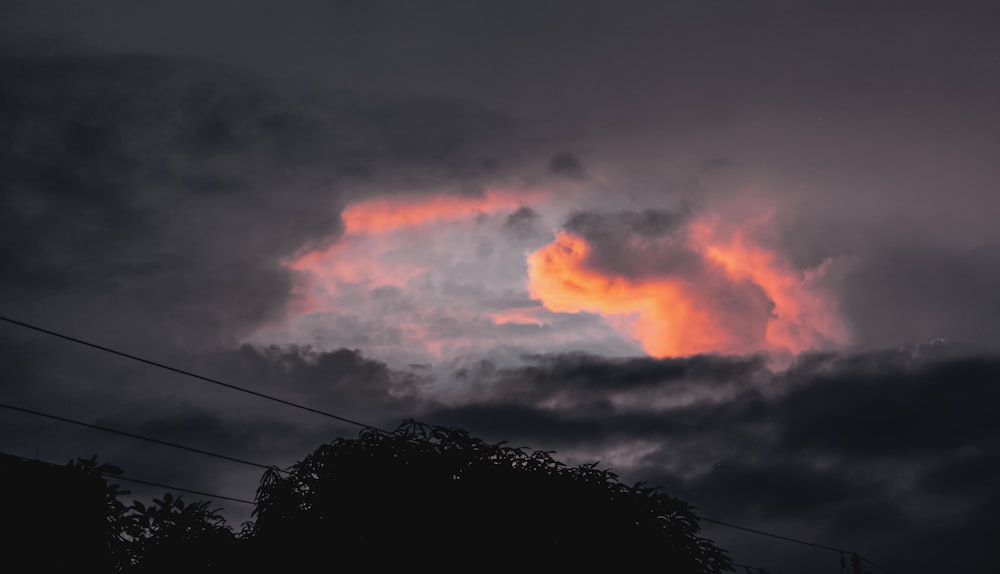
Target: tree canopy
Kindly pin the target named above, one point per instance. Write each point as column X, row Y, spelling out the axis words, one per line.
column 439, row 497
column 419, row 496
column 165, row 536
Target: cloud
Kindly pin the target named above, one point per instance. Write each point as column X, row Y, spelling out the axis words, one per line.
column 433, row 276
column 75, row 382
column 152, row 190
column 912, row 292
column 943, row 405
column 684, row 286
column 388, row 214
column 566, row 165
column 839, row 193
column 884, row 452
column 522, row 222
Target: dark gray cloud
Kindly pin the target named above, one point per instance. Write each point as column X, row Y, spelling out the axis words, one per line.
column 148, row 203
column 638, row 244
column 71, row 381
column 877, row 452
column 655, row 245
column 648, row 224
column 775, row 488
column 888, row 453
column 545, row 377
column 896, row 411
column 144, row 189
column 567, row 165
column 523, row 223
column 917, row 292
column 579, row 57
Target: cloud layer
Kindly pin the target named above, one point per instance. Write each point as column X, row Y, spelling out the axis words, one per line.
column 684, row 286
column 499, row 217
column 888, row 453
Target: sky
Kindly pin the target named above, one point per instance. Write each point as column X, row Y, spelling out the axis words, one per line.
column 746, row 251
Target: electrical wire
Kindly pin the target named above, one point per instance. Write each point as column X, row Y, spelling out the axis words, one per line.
column 177, row 488
column 140, row 437
column 789, row 539
column 145, row 482
column 778, row 536
column 301, row 407
column 188, row 373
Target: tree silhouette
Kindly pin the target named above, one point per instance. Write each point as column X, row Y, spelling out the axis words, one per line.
column 434, row 496
column 53, row 518
column 420, row 496
column 115, row 511
column 168, row 535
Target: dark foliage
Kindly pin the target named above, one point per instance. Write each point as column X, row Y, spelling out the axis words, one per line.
column 53, row 518
column 437, row 497
column 420, row 496
column 165, row 536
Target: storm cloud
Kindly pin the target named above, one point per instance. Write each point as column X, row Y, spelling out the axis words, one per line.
column 871, row 450
column 746, row 251
column 145, row 189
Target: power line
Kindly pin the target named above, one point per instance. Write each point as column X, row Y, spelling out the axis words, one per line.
column 146, row 482
column 139, row 437
column 301, row 407
column 778, row 536
column 187, row 373
column 746, row 567
column 177, row 488
column 750, row 569
column 795, row 540
column 270, row 467
column 245, row 501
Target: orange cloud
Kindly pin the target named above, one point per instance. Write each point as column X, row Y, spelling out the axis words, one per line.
column 706, row 287
column 395, row 242
column 805, row 317
column 361, row 255
column 681, row 314
column 659, row 313
column 519, row 316
column 383, row 214
column 353, row 261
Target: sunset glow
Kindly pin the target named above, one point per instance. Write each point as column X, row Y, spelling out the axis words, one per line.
column 383, row 214
column 659, row 313
column 519, row 316
column 376, row 228
column 747, row 252
column 804, row 317
column 674, row 315
column 705, row 286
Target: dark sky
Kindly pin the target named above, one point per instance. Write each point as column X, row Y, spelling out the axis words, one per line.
column 744, row 250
